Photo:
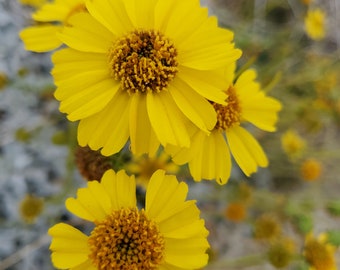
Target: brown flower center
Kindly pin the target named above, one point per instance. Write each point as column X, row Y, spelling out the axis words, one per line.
column 143, row 61
column 318, row 256
column 230, row 114
column 126, row 240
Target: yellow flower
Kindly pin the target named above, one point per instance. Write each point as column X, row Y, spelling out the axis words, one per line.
column 50, row 19
column 144, row 166
column 30, row 208
column 318, row 253
column 209, row 155
column 267, row 227
column 292, row 143
column 167, row 234
column 311, row 169
column 315, row 24
column 236, row 211
column 281, row 252
column 141, row 69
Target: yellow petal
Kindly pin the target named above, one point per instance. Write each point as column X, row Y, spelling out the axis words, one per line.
column 196, row 108
column 143, row 138
column 41, row 38
column 121, row 189
column 212, row 161
column 90, row 100
column 166, row 119
column 69, row 246
column 209, row 84
column 69, row 63
column 111, row 14
column 191, row 230
column 246, row 150
column 109, row 128
column 187, row 253
column 164, row 195
column 50, row 12
column 86, row 34
column 87, row 265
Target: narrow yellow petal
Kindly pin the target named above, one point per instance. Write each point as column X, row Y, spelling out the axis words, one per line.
column 246, row 150
column 69, row 246
column 209, row 84
column 196, row 108
column 167, row 120
column 50, row 12
column 111, row 14
column 187, row 253
column 108, row 129
column 42, row 38
column 121, row 189
column 86, row 34
column 143, row 138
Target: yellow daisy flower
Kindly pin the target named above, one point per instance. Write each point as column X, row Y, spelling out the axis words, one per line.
column 311, row 170
column 209, row 155
column 144, row 166
column 315, row 24
column 50, row 19
column 292, row 144
column 141, row 69
column 318, row 253
column 167, row 234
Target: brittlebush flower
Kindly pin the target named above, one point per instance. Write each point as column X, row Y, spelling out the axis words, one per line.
column 292, row 144
column 209, row 156
column 315, row 24
column 281, row 252
column 167, row 234
column 50, row 19
column 30, row 208
column 236, row 211
column 144, row 166
column 318, row 253
column 310, row 170
column 141, row 70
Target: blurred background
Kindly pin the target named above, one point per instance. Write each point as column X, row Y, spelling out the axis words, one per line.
column 263, row 222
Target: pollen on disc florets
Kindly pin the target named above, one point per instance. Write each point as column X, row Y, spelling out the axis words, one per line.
column 230, row 114
column 143, row 61
column 126, row 240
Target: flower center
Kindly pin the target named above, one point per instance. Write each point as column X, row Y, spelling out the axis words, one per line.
column 230, row 114
column 318, row 255
column 76, row 9
column 126, row 240
column 143, row 61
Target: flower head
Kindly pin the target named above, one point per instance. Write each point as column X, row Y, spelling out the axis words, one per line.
column 310, row 170
column 318, row 253
column 236, row 211
column 30, row 208
column 281, row 252
column 209, row 155
column 144, row 166
column 266, row 227
column 50, row 19
column 292, row 143
column 142, row 70
column 315, row 24
column 167, row 234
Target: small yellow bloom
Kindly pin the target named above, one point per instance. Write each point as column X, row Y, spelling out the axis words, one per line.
column 144, row 166
column 167, row 234
column 281, row 252
column 315, row 24
column 236, row 211
column 267, row 227
column 30, row 208
column 209, row 156
column 318, row 253
column 310, row 170
column 3, row 80
column 292, row 143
